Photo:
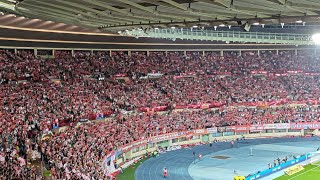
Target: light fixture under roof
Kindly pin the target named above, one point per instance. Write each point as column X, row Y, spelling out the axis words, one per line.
column 299, row 21
column 195, row 26
column 156, row 28
column 173, row 27
column 222, row 25
column 256, row 23
column 316, row 38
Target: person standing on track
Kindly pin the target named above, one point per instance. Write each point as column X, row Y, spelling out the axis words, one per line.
column 165, row 172
column 194, row 156
column 200, row 156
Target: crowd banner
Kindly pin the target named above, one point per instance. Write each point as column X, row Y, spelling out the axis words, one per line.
column 262, row 104
column 288, row 73
column 305, row 125
column 212, row 130
column 154, row 109
column 120, row 75
column 241, row 128
column 230, row 128
column 154, row 75
column 282, row 126
column 277, row 126
column 256, row 127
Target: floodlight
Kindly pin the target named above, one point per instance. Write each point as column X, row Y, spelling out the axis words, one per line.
column 316, row 38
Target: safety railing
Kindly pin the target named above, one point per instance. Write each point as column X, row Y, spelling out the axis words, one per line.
column 226, row 36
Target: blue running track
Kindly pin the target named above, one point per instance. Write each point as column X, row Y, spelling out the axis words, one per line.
column 180, row 161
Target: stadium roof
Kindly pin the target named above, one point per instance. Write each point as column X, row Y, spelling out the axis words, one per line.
column 114, row 15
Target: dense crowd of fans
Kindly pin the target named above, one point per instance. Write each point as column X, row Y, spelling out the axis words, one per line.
column 38, row 94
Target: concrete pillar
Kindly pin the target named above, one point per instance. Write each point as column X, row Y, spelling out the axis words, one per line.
column 124, row 157
column 185, row 53
column 129, row 53
column 240, row 52
column 203, row 53
column 221, row 53
column 277, row 52
column 110, row 53
column 258, row 52
column 166, row 53
column 296, row 51
column 53, row 51
column 210, row 138
column 91, row 51
column 129, row 154
column 148, row 53
column 72, row 53
column 15, row 50
column 35, row 51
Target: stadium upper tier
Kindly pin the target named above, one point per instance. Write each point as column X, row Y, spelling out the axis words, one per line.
column 38, row 94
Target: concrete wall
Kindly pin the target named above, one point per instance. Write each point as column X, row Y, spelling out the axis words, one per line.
column 130, row 154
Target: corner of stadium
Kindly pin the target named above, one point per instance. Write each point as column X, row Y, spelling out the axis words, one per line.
column 161, row 89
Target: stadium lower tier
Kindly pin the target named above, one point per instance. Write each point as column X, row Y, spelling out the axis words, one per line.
column 224, row 161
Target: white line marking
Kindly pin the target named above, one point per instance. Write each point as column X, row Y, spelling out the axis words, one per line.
column 304, row 172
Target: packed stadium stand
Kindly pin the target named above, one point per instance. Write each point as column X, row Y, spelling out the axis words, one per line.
column 83, row 82
column 39, row 94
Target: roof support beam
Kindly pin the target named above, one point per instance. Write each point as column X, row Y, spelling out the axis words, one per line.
column 195, row 12
column 64, row 15
column 290, row 5
column 47, row 17
column 126, row 13
column 154, row 12
column 177, row 5
column 236, row 9
column 50, row 5
column 104, row 14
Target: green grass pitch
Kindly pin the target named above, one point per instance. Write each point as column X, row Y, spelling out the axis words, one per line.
column 128, row 174
column 310, row 172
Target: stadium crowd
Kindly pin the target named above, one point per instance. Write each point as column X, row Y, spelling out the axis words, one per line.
column 39, row 94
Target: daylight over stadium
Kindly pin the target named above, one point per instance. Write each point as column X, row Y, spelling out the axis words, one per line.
column 159, row 89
